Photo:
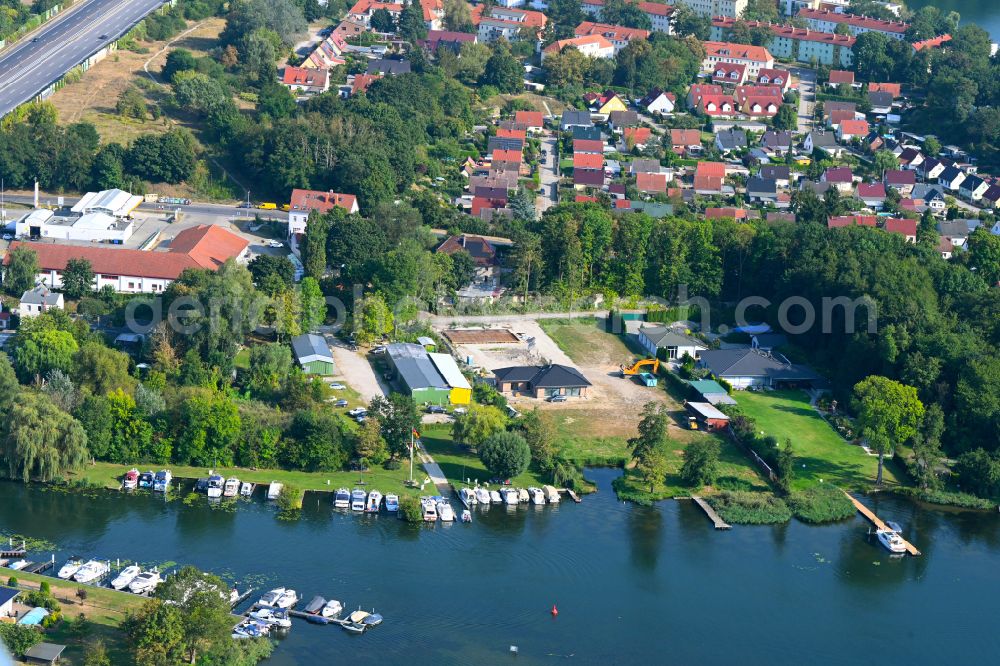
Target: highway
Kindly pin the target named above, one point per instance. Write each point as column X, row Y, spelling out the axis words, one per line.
column 41, row 58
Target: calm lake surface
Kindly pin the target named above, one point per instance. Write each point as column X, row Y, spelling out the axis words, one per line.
column 633, row 584
column 984, row 13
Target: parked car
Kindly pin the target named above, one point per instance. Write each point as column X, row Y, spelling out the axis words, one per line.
column 459, row 411
column 8, row 237
column 436, row 409
column 336, row 386
column 357, row 411
column 340, row 403
column 557, row 398
column 378, row 350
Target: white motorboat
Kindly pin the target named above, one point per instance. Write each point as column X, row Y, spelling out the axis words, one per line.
column 537, row 496
column 342, row 499
column 374, row 502
column 509, row 496
column 466, row 516
column 20, row 564
column 251, row 629
column 274, row 490
column 288, row 599
column 91, row 571
column 332, row 608
column 468, row 497
column 246, row 490
column 215, row 484
column 391, row 503
column 357, row 500
column 145, row 582
column 279, row 597
column 445, row 511
column 125, row 577
column 482, row 496
column 430, row 509
column 161, row 482
column 276, row 617
column 523, row 495
column 551, row 494
column 131, row 481
column 231, row 487
column 146, row 479
column 891, row 540
column 69, row 569
column 495, row 497
column 271, row 598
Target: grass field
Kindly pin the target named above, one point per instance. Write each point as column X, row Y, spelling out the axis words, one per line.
column 582, row 438
column 821, row 455
column 585, row 341
column 459, row 464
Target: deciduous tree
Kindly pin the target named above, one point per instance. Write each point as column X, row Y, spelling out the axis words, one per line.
column 889, row 414
column 505, row 454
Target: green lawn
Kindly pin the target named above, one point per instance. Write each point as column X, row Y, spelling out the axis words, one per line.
column 459, row 464
column 585, row 341
column 821, row 454
column 583, row 439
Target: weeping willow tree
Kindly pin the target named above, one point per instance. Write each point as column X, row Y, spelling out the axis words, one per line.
column 41, row 440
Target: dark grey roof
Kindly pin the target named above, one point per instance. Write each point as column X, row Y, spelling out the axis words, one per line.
column 732, row 139
column 818, row 188
column 762, row 186
column 773, row 139
column 414, row 366
column 751, row 363
column 661, row 336
column 572, row 117
column 549, row 376
column 950, row 174
column 644, row 166
column 823, row 139
column 926, row 191
column 592, row 133
column 623, row 118
column 309, row 345
column 880, row 99
column 387, row 66
column 504, row 143
column 517, row 373
column 778, row 172
column 953, row 228
column 45, row 652
column 971, row 182
column 7, row 593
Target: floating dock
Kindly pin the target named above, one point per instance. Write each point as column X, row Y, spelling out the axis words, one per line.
column 720, row 524
column 573, row 496
column 38, row 568
column 877, row 522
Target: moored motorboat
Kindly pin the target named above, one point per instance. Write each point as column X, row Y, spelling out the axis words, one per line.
column 332, row 608
column 131, row 480
column 342, row 499
column 374, row 502
column 161, row 481
column 276, row 617
column 373, row 619
column 468, row 497
column 358, row 500
column 246, row 489
column 430, row 509
column 551, row 494
column 891, row 540
column 274, row 490
column 466, row 516
column 445, row 511
column 231, row 487
column 145, row 582
column 523, row 495
column 392, row 503
column 356, row 622
column 215, row 484
column 537, row 496
column 91, row 571
column 146, row 479
column 495, row 497
column 251, row 628
column 317, row 619
column 125, row 576
column 509, row 496
column 315, row 605
column 69, row 569
column 482, row 496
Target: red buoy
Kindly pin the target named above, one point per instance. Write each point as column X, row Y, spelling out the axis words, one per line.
column 555, row 611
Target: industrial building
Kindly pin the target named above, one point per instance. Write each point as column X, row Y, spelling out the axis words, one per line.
column 429, row 378
column 98, row 217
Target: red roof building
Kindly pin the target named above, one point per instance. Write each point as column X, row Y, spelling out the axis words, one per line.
column 709, row 176
column 839, row 221
column 505, row 133
column 826, row 21
column 587, row 161
column 302, row 202
column 532, row 119
column 774, row 77
column 934, row 42
column 301, row 79
column 734, row 213
column 729, row 72
column 593, row 146
column 501, row 156
column 637, row 136
column 851, row 128
column 893, row 88
column 362, row 82
column 841, row 77
column 682, row 139
column 906, row 227
column 651, row 183
column 619, row 36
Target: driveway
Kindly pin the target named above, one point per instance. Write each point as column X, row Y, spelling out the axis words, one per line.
column 354, row 368
column 807, row 96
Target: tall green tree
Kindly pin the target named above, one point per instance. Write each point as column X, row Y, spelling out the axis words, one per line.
column 102, row 369
column 701, row 462
column 206, row 619
column 78, row 278
column 398, row 418
column 889, row 414
column 21, row 270
column 313, row 305
column 478, row 424
column 505, row 454
column 503, row 71
column 411, row 22
column 270, row 365
column 372, row 319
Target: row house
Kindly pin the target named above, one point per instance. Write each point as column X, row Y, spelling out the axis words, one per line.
column 660, row 15
column 754, row 58
column 501, row 22
column 619, row 36
column 800, row 44
column 824, row 20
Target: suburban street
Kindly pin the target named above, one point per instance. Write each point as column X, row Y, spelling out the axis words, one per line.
column 39, row 59
column 548, row 192
column 807, row 96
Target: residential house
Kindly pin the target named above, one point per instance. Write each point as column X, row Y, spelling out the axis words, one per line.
column 635, row 137
column 306, row 81
column 361, row 82
column 776, row 141
column 823, row 141
column 303, row 202
column 871, row 194
column 778, row 78
column 945, row 247
column 542, row 382
column 930, row 196
column 533, row 120
column 840, row 177
column 901, row 180
column 584, row 178
column 830, row 107
column 840, row 77
column 733, row 73
column 709, row 8
column 619, row 36
column 388, row 67
column 587, row 161
column 723, row 212
column 729, row 140
column 956, row 231
column 881, row 102
column 313, row 354
column 951, row 178
column 482, row 251
column 675, row 345
column 709, row 177
column 618, row 120
column 658, row 102
column 7, row 597
column 651, row 183
column 780, row 174
column 351, row 28
column 754, row 58
column 762, row 190
column 839, row 221
column 499, row 142
column 973, row 188
column 850, row 129
column 826, row 20
column 791, row 43
column 991, row 197
column 911, row 158
column 893, row 89
column 506, row 23
column 592, row 46
column 605, row 103
column 837, row 116
column 906, row 227
column 638, row 166
column 591, row 146
column 572, row 118
column 327, row 54
column 38, row 300
column 589, row 133
column 362, row 10
column 448, row 39
column 745, row 368
column 686, row 142
column 759, row 101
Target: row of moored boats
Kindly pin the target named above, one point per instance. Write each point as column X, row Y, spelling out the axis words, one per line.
column 272, row 613
column 157, row 482
column 359, row 500
column 132, row 578
column 510, row 496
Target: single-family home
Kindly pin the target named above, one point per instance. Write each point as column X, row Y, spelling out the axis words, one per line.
column 871, row 194
column 840, row 177
column 505, row 140
column 619, row 36
column 904, row 226
column 592, row 46
column 588, row 146
column 542, row 382
column 651, row 183
column 573, row 118
column 482, row 251
column 850, row 129
column 726, row 141
column 945, row 247
column 448, row 39
column 930, row 196
column 638, row 166
column 881, row 102
column 901, row 180
column 951, row 178
column 957, row 231
column 619, row 120
column 822, row 141
column 911, row 158
column 707, row 415
column 583, row 178
column 832, row 107
column 313, row 354
column 991, row 197
column 775, row 217
column 7, row 597
column 893, row 89
column 743, row 368
column 534, row 121
column 306, row 81
column 605, row 103
column 973, row 188
column 709, row 177
column 840, row 77
column 762, row 190
column 776, row 141
column 674, row 344
column 724, row 212
column 754, row 58
column 774, row 77
column 635, row 137
column 779, row 173
column 303, row 202
column 38, row 300
column 686, row 142
column 839, row 221
column 591, row 133
column 837, row 116
column 388, row 67
column 659, row 102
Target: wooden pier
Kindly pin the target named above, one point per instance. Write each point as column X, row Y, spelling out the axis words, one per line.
column 720, row 524
column 13, row 554
column 573, row 496
column 38, row 568
column 299, row 614
column 877, row 522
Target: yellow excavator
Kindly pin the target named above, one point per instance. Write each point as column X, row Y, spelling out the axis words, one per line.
column 637, row 367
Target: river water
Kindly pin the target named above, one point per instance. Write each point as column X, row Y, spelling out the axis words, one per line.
column 632, row 584
column 984, row 13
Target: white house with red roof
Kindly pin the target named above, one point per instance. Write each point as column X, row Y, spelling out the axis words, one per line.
column 306, row 81
column 734, row 73
column 303, row 202
column 754, row 58
column 592, row 46
column 618, row 35
column 502, row 22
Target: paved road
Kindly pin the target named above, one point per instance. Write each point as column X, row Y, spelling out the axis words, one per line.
column 548, row 193
column 33, row 63
column 807, row 96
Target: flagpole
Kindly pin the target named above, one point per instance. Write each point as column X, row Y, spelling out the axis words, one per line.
column 411, row 455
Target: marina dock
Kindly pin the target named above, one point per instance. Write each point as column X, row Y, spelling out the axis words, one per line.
column 877, row 522
column 720, row 524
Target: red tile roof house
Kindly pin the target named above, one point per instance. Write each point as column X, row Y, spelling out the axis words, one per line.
column 762, row 101
column 892, row 88
column 501, row 158
column 505, row 133
column 534, row 120
column 901, row 180
column 481, row 250
column 708, row 177
column 479, row 204
column 906, row 227
column 872, row 194
column 848, row 220
column 302, row 202
column 850, row 129
column 840, row 77
column 834, row 118
column 362, row 82
column 733, row 213
column 636, row 137
column 141, row 271
column 710, row 100
column 840, row 177
column 617, row 35
column 592, row 146
column 685, row 142
column 729, row 72
column 306, row 81
column 775, row 77
column 651, row 183
column 587, row 161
